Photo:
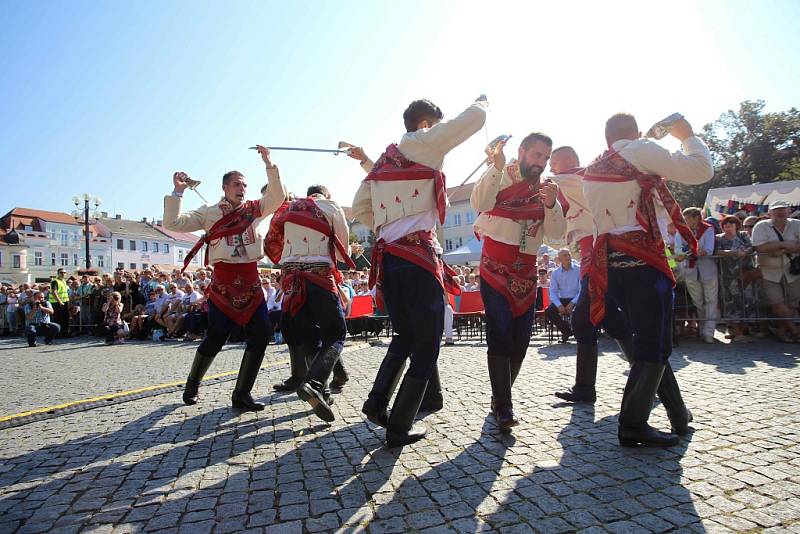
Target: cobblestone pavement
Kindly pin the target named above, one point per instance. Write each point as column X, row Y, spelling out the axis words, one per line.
column 154, row 465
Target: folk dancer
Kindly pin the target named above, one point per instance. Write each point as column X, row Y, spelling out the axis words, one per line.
column 626, row 192
column 307, row 237
column 402, row 198
column 516, row 212
column 235, row 296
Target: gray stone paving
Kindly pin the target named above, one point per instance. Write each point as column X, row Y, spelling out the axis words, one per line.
column 154, row 465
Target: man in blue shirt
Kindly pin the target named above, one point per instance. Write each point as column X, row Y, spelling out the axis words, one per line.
column 565, row 288
column 37, row 320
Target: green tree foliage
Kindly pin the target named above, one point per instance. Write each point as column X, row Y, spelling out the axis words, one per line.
column 749, row 146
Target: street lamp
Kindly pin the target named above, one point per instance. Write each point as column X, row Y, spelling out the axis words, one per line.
column 95, row 201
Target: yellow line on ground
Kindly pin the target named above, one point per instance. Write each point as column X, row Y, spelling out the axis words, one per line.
column 121, row 394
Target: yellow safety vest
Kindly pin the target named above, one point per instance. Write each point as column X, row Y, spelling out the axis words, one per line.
column 672, row 263
column 62, row 291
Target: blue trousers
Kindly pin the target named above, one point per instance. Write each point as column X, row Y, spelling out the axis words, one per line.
column 644, row 294
column 613, row 323
column 415, row 303
column 258, row 331
column 319, row 324
column 506, row 336
column 48, row 330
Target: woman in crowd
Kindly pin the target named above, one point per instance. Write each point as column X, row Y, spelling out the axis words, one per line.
column 11, row 311
column 736, row 271
column 112, row 322
column 196, row 320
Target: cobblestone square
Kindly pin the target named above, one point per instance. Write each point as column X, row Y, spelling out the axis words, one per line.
column 155, row 465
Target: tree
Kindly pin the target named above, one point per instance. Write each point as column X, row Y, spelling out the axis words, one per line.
column 749, row 146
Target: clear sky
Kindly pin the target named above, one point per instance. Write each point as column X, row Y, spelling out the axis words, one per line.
column 111, row 98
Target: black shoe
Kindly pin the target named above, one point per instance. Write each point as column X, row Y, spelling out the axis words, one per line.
column 242, row 400
column 32, row 344
column 48, row 341
column 670, row 395
column 312, row 393
column 376, row 412
column 682, row 427
column 645, row 435
column 637, row 401
column 299, row 369
column 200, row 365
column 401, row 429
column 433, row 401
column 340, row 376
column 575, row 394
column 500, row 379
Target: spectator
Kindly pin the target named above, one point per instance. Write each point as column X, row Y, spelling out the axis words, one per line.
column 112, row 321
column 37, row 320
column 59, row 299
column 777, row 240
column 471, row 285
column 565, row 287
column 196, row 320
column 700, row 273
column 142, row 322
column 736, row 302
column 3, row 305
column 11, row 311
column 748, row 225
column 546, row 263
column 202, row 279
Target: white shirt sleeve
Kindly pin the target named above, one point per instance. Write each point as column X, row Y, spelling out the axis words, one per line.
column 445, row 136
column 692, row 165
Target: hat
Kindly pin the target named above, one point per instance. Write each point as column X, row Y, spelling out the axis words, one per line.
column 778, row 204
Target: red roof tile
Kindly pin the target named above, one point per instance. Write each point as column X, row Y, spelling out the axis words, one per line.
column 178, row 236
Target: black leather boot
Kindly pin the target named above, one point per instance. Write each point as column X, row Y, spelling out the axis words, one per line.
column 340, row 376
column 299, row 368
column 248, row 371
column 670, row 395
column 637, row 401
column 200, row 365
column 626, row 346
column 386, row 381
column 585, row 376
column 500, row 378
column 433, row 401
column 401, row 429
column 313, row 390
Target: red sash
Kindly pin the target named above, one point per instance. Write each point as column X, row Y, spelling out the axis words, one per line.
column 510, row 273
column 646, row 245
column 304, row 212
column 392, row 165
column 293, row 283
column 233, row 223
column 417, row 248
column 236, row 290
column 585, row 245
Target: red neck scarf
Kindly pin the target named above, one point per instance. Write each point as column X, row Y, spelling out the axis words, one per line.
column 648, row 245
column 392, row 166
column 233, row 223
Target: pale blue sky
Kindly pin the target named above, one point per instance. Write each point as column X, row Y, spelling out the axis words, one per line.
column 111, row 98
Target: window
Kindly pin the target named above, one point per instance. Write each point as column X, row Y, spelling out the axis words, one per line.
column 133, row 266
column 64, row 259
column 53, row 234
column 448, row 245
column 155, row 247
column 16, row 261
column 74, row 236
column 456, row 219
column 120, row 265
column 64, row 238
column 470, row 217
column 120, row 244
column 37, row 258
column 74, row 259
column 101, row 261
column 144, row 246
column 180, row 254
column 1, row 258
column 145, row 266
column 52, row 258
column 166, row 248
column 131, row 245
column 460, row 242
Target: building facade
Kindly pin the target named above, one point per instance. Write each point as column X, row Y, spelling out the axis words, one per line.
column 136, row 245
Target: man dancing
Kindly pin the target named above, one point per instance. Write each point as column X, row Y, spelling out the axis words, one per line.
column 628, row 198
column 516, row 212
column 401, row 198
column 307, row 236
column 233, row 248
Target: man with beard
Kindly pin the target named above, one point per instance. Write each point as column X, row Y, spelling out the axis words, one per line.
column 307, row 236
column 626, row 191
column 516, row 212
column 235, row 296
column 401, row 198
column 580, row 226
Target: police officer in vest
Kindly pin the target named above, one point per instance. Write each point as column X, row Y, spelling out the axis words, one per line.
column 59, row 299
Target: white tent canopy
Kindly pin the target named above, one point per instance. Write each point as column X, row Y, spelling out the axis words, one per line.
column 470, row 252
column 755, row 194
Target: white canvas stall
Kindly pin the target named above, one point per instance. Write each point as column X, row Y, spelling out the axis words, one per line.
column 756, row 194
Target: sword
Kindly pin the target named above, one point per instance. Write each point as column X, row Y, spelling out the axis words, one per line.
column 491, row 145
column 299, row 149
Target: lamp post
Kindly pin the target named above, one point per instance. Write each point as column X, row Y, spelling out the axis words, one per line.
column 96, row 201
